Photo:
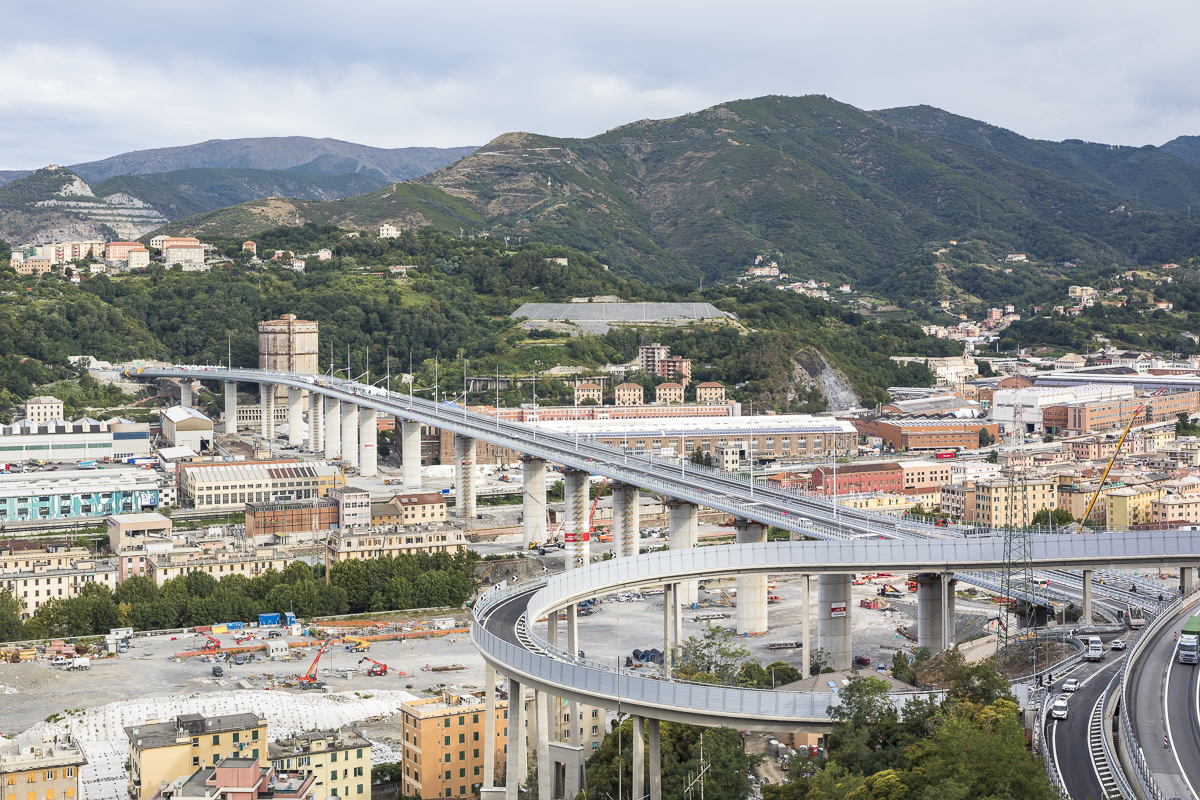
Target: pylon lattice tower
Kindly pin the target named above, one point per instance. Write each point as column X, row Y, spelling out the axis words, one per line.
column 1016, row 578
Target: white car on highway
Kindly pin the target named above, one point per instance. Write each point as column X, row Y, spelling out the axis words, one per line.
column 1059, row 709
column 1117, row 644
column 1071, row 685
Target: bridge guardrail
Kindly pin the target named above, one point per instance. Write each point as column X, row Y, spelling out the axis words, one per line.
column 1111, row 693
column 1040, row 749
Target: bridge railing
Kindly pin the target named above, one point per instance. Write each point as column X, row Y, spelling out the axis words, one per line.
column 1040, row 749
column 1112, row 693
column 1158, row 618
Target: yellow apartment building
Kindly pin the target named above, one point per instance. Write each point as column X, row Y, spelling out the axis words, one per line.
column 340, row 760
column 36, row 768
column 160, row 752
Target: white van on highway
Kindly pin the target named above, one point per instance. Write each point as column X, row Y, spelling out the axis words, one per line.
column 1094, row 648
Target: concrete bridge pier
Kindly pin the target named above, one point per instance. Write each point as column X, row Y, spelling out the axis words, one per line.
column 751, row 589
column 1187, row 576
column 684, row 524
column 295, row 416
column 517, row 768
column 575, row 524
column 410, row 453
column 316, row 422
column 626, row 527
column 185, row 392
column 230, row 407
column 333, row 428
column 1085, row 618
column 639, row 758
column 935, row 611
column 672, row 624
column 805, row 611
column 546, row 713
column 349, row 435
column 464, row 476
column 833, row 619
column 266, row 401
column 489, row 727
column 368, row 439
column 655, row 759
column 533, row 511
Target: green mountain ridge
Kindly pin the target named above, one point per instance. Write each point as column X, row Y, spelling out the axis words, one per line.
column 828, row 190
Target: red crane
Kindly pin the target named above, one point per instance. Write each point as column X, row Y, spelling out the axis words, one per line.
column 378, row 669
column 211, row 644
column 596, row 502
column 309, row 679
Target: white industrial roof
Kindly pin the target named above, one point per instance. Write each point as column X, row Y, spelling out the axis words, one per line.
column 171, row 453
column 180, row 413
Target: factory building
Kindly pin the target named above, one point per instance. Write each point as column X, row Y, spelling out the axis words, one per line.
column 288, row 344
column 76, row 493
column 187, row 427
column 83, row 439
column 228, row 487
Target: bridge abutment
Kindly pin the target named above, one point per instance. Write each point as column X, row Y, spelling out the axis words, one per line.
column 230, row 407
column 464, row 476
column 533, row 511
column 684, row 524
column 333, row 428
column 410, row 453
column 349, row 435
column 368, row 439
column 751, row 589
column 833, row 619
column 626, row 528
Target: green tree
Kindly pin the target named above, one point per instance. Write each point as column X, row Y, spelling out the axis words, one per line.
column 783, row 673
column 11, row 609
column 351, row 576
column 713, row 657
column 985, row 437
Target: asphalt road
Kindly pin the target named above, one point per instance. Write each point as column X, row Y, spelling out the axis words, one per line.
column 1162, row 702
column 1067, row 740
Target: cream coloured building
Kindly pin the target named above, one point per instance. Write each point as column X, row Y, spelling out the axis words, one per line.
column 161, row 568
column 629, row 394
column 229, row 486
column 43, row 408
column 41, row 767
column 669, row 393
column 999, row 503
column 163, row 751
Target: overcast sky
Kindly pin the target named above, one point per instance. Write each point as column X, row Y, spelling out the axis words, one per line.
column 85, row 80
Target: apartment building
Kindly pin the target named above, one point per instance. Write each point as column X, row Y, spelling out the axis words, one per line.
column 589, row 391
column 367, row 543
column 1172, row 509
column 292, row 517
column 1075, row 496
column 958, row 501
column 41, row 767
column 43, row 409
column 183, row 250
column 160, row 568
column 885, row 503
column 854, row 478
column 17, row 554
column 921, row 475
column 64, row 252
column 33, row 266
column 354, row 506
column 1001, row 503
column 119, row 251
column 668, row 393
column 162, row 751
column 444, row 741
column 244, row 778
column 229, row 486
column 629, row 394
column 1127, row 506
column 339, row 760
column 710, row 392
column 410, row 509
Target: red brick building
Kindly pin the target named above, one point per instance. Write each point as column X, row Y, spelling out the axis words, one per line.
column 858, row 478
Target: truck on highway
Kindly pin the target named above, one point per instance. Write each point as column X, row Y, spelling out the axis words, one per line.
column 1189, row 641
column 1095, row 649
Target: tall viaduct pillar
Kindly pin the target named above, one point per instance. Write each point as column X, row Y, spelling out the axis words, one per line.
column 316, row 422
column 333, row 428
column 684, row 523
column 626, row 528
column 751, row 589
column 349, row 435
column 295, row 416
column 185, row 392
column 575, row 524
column 518, row 763
column 230, row 407
column 533, row 480
column 410, row 453
column 368, row 438
column 266, row 402
column 833, row 619
column 464, row 476
column 935, row 611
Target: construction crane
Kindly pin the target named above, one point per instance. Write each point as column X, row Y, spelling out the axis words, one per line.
column 358, row 645
column 1100, row 486
column 596, row 502
column 377, row 670
column 309, row 679
column 212, row 643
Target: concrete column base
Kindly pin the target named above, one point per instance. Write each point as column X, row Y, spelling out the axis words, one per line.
column 833, row 619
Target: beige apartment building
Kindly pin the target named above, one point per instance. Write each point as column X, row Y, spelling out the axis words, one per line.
column 41, row 767
column 160, row 752
column 925, row 474
column 629, row 394
column 229, row 486
column 1130, row 505
column 367, row 543
column 42, row 583
column 710, row 392
column 668, row 393
column 410, row 509
column 588, row 391
column 43, row 408
column 1001, row 504
column 160, row 568
column 340, row 760
column 958, row 500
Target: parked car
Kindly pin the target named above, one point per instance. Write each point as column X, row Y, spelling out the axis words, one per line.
column 218, row 671
column 239, row 660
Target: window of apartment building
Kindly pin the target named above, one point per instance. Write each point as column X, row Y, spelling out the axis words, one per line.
column 217, row 739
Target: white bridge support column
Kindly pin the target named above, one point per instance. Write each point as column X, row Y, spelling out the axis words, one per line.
column 464, row 476
column 266, row 402
column 368, row 438
column 805, row 611
column 575, row 524
column 833, row 632
column 751, row 589
column 655, row 759
column 639, row 759
column 533, row 479
column 1085, row 617
column 545, row 731
column 518, row 762
column 230, row 407
column 935, row 610
column 573, row 648
column 316, row 422
column 684, row 521
column 672, row 625
column 626, row 526
column 1187, row 576
column 295, row 416
column 410, row 453
column 333, row 428
column 185, row 392
column 349, row 435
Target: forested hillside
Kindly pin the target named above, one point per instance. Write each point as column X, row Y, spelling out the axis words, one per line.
column 454, row 305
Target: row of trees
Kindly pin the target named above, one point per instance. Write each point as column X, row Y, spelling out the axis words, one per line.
column 390, row 583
